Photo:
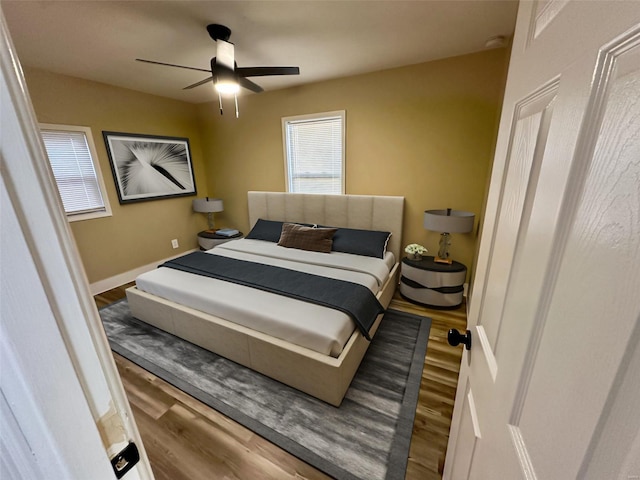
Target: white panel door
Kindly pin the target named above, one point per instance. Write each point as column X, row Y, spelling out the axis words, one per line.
column 550, row 388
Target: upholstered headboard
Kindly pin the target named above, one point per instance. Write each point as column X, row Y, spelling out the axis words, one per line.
column 366, row 212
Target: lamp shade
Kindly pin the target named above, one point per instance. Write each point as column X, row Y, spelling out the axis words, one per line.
column 450, row 221
column 208, row 205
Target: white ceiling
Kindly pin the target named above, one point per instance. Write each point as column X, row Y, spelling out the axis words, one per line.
column 99, row 40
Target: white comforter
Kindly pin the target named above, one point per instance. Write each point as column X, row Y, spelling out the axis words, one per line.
column 318, row 328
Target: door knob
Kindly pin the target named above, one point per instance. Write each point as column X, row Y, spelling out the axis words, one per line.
column 455, row 338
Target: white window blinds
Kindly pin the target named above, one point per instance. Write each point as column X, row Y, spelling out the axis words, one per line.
column 314, row 153
column 73, row 168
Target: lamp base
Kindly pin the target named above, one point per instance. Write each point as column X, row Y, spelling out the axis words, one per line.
column 442, row 260
column 210, row 221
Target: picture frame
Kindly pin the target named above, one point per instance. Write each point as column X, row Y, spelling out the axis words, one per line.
column 149, row 167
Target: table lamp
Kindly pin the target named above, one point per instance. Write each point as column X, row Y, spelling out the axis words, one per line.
column 447, row 221
column 209, row 206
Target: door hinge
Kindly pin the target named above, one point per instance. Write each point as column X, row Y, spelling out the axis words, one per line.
column 125, row 460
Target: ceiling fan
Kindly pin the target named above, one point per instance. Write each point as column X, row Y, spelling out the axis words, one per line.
column 227, row 77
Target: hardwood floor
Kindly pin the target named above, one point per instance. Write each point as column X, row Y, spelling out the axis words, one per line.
column 187, row 440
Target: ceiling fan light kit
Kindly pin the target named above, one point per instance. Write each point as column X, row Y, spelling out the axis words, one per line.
column 226, row 76
column 227, row 87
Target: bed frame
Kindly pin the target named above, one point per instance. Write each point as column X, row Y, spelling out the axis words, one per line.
column 321, row 376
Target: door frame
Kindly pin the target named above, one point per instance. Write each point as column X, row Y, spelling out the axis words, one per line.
column 58, row 277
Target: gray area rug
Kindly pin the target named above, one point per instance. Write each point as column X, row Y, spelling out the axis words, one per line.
column 367, row 438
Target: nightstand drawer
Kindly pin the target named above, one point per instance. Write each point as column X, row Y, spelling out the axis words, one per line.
column 433, row 278
column 433, row 284
column 442, row 297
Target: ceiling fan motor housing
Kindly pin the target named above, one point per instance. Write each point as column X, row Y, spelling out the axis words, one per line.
column 222, row 73
column 225, row 53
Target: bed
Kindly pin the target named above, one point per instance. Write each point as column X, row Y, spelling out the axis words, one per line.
column 320, row 363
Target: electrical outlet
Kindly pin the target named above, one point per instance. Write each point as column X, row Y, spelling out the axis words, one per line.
column 174, row 243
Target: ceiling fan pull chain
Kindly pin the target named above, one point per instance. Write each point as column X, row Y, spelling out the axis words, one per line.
column 235, row 97
column 220, row 102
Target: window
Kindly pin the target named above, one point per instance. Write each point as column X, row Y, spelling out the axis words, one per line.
column 314, row 152
column 73, row 160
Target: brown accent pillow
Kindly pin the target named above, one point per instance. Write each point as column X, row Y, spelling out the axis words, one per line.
column 306, row 238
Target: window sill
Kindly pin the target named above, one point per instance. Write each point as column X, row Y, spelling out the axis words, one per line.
column 88, row 216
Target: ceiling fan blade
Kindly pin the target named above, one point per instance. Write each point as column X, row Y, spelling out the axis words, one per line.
column 172, row 65
column 197, row 84
column 264, row 71
column 249, row 85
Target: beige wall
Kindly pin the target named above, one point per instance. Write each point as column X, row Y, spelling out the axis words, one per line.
column 425, row 132
column 139, row 233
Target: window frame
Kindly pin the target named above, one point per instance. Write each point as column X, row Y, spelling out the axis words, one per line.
column 314, row 116
column 76, row 217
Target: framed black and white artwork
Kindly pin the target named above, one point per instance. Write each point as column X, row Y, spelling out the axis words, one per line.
column 149, row 167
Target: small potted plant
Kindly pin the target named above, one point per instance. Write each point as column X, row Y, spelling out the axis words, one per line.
column 415, row 251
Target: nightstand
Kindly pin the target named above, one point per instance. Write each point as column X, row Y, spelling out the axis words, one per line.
column 208, row 239
column 432, row 284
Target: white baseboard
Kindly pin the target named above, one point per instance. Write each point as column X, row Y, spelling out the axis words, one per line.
column 126, row 277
